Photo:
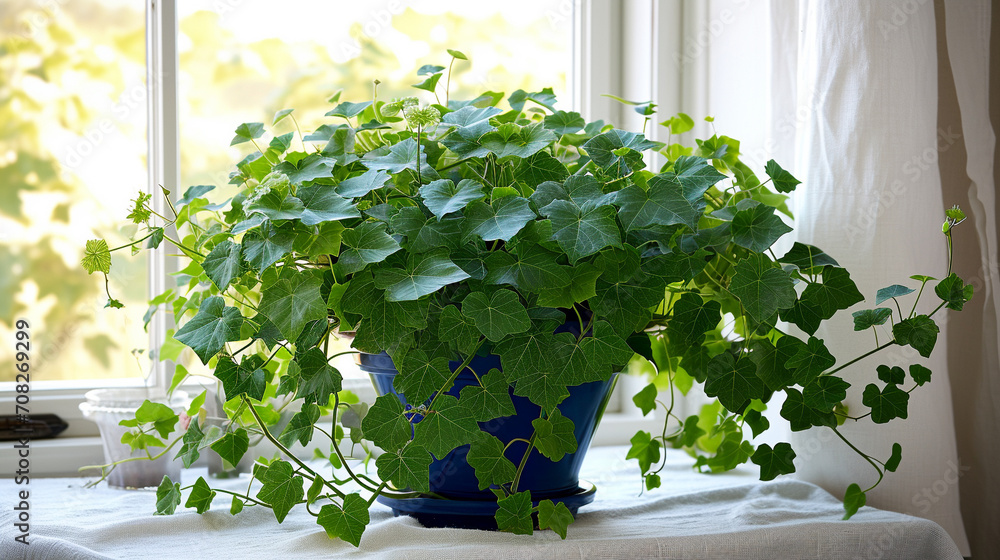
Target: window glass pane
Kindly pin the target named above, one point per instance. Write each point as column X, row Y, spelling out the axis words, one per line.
column 72, row 154
column 244, row 62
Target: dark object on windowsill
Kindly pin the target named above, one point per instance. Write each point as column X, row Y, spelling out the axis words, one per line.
column 34, row 426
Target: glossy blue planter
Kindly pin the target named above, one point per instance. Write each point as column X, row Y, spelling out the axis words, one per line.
column 453, row 478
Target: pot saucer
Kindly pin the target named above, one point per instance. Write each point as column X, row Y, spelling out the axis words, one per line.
column 472, row 514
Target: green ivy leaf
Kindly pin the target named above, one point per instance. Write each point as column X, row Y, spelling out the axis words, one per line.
column 191, row 444
column 532, row 268
column 774, row 462
column 201, row 496
column 347, row 523
column 514, row 514
column 222, row 265
column 430, row 84
column 954, row 292
column 868, row 318
column 733, row 381
column 783, row 181
column 360, row 185
column 583, row 231
column 244, row 378
column 232, row 445
column 491, row 466
column 398, row 158
column 318, row 380
column 555, row 516
column 757, row 228
column 836, row 292
column 810, row 360
column 247, row 132
column 348, row 109
column 894, row 375
column 364, row 245
column 663, row 203
column 237, row 506
column 601, row 147
column 920, row 332
column 562, row 122
column 444, row 196
column 161, row 416
column 513, row 141
column 280, row 115
column 168, row 497
column 408, row 467
column 291, row 303
column 457, row 330
column 496, row 316
column 300, row 427
column 501, row 220
column 886, row 404
column 472, row 123
column 554, row 435
column 897, row 455
column 890, row 292
column 806, row 257
column 385, row 425
column 770, row 360
column 761, row 287
column 825, row 393
column 489, row 400
column 277, row 205
column 323, row 204
column 264, row 247
column 646, row 399
column 539, row 168
column 97, row 257
column 209, row 330
column 692, row 317
column 448, row 426
column 757, row 422
column 420, row 378
column 645, row 449
column 800, row 416
column 424, row 274
column 854, row 499
column 282, row 488
column 920, row 374
column 625, row 305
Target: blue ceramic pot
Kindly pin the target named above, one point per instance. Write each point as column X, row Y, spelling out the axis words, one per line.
column 452, row 477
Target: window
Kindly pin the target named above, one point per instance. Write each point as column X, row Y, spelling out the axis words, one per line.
column 85, row 78
column 75, row 147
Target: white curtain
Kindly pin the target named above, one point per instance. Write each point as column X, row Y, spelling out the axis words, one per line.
column 855, row 107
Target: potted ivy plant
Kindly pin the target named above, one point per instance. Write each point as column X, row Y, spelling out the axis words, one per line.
column 497, row 262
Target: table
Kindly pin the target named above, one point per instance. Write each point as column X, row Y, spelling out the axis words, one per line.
column 726, row 516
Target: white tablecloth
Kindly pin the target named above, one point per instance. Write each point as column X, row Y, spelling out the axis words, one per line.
column 725, row 516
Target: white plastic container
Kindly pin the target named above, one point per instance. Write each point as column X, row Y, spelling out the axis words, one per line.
column 108, row 407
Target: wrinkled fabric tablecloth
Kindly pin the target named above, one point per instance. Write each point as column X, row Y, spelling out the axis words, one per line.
column 725, row 516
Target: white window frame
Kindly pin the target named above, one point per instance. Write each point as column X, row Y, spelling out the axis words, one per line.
column 622, row 47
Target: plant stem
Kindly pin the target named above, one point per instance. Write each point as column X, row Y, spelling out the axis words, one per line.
column 863, row 454
column 301, row 138
column 861, row 357
column 267, row 433
column 524, row 461
column 261, row 152
column 454, row 375
column 244, row 496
